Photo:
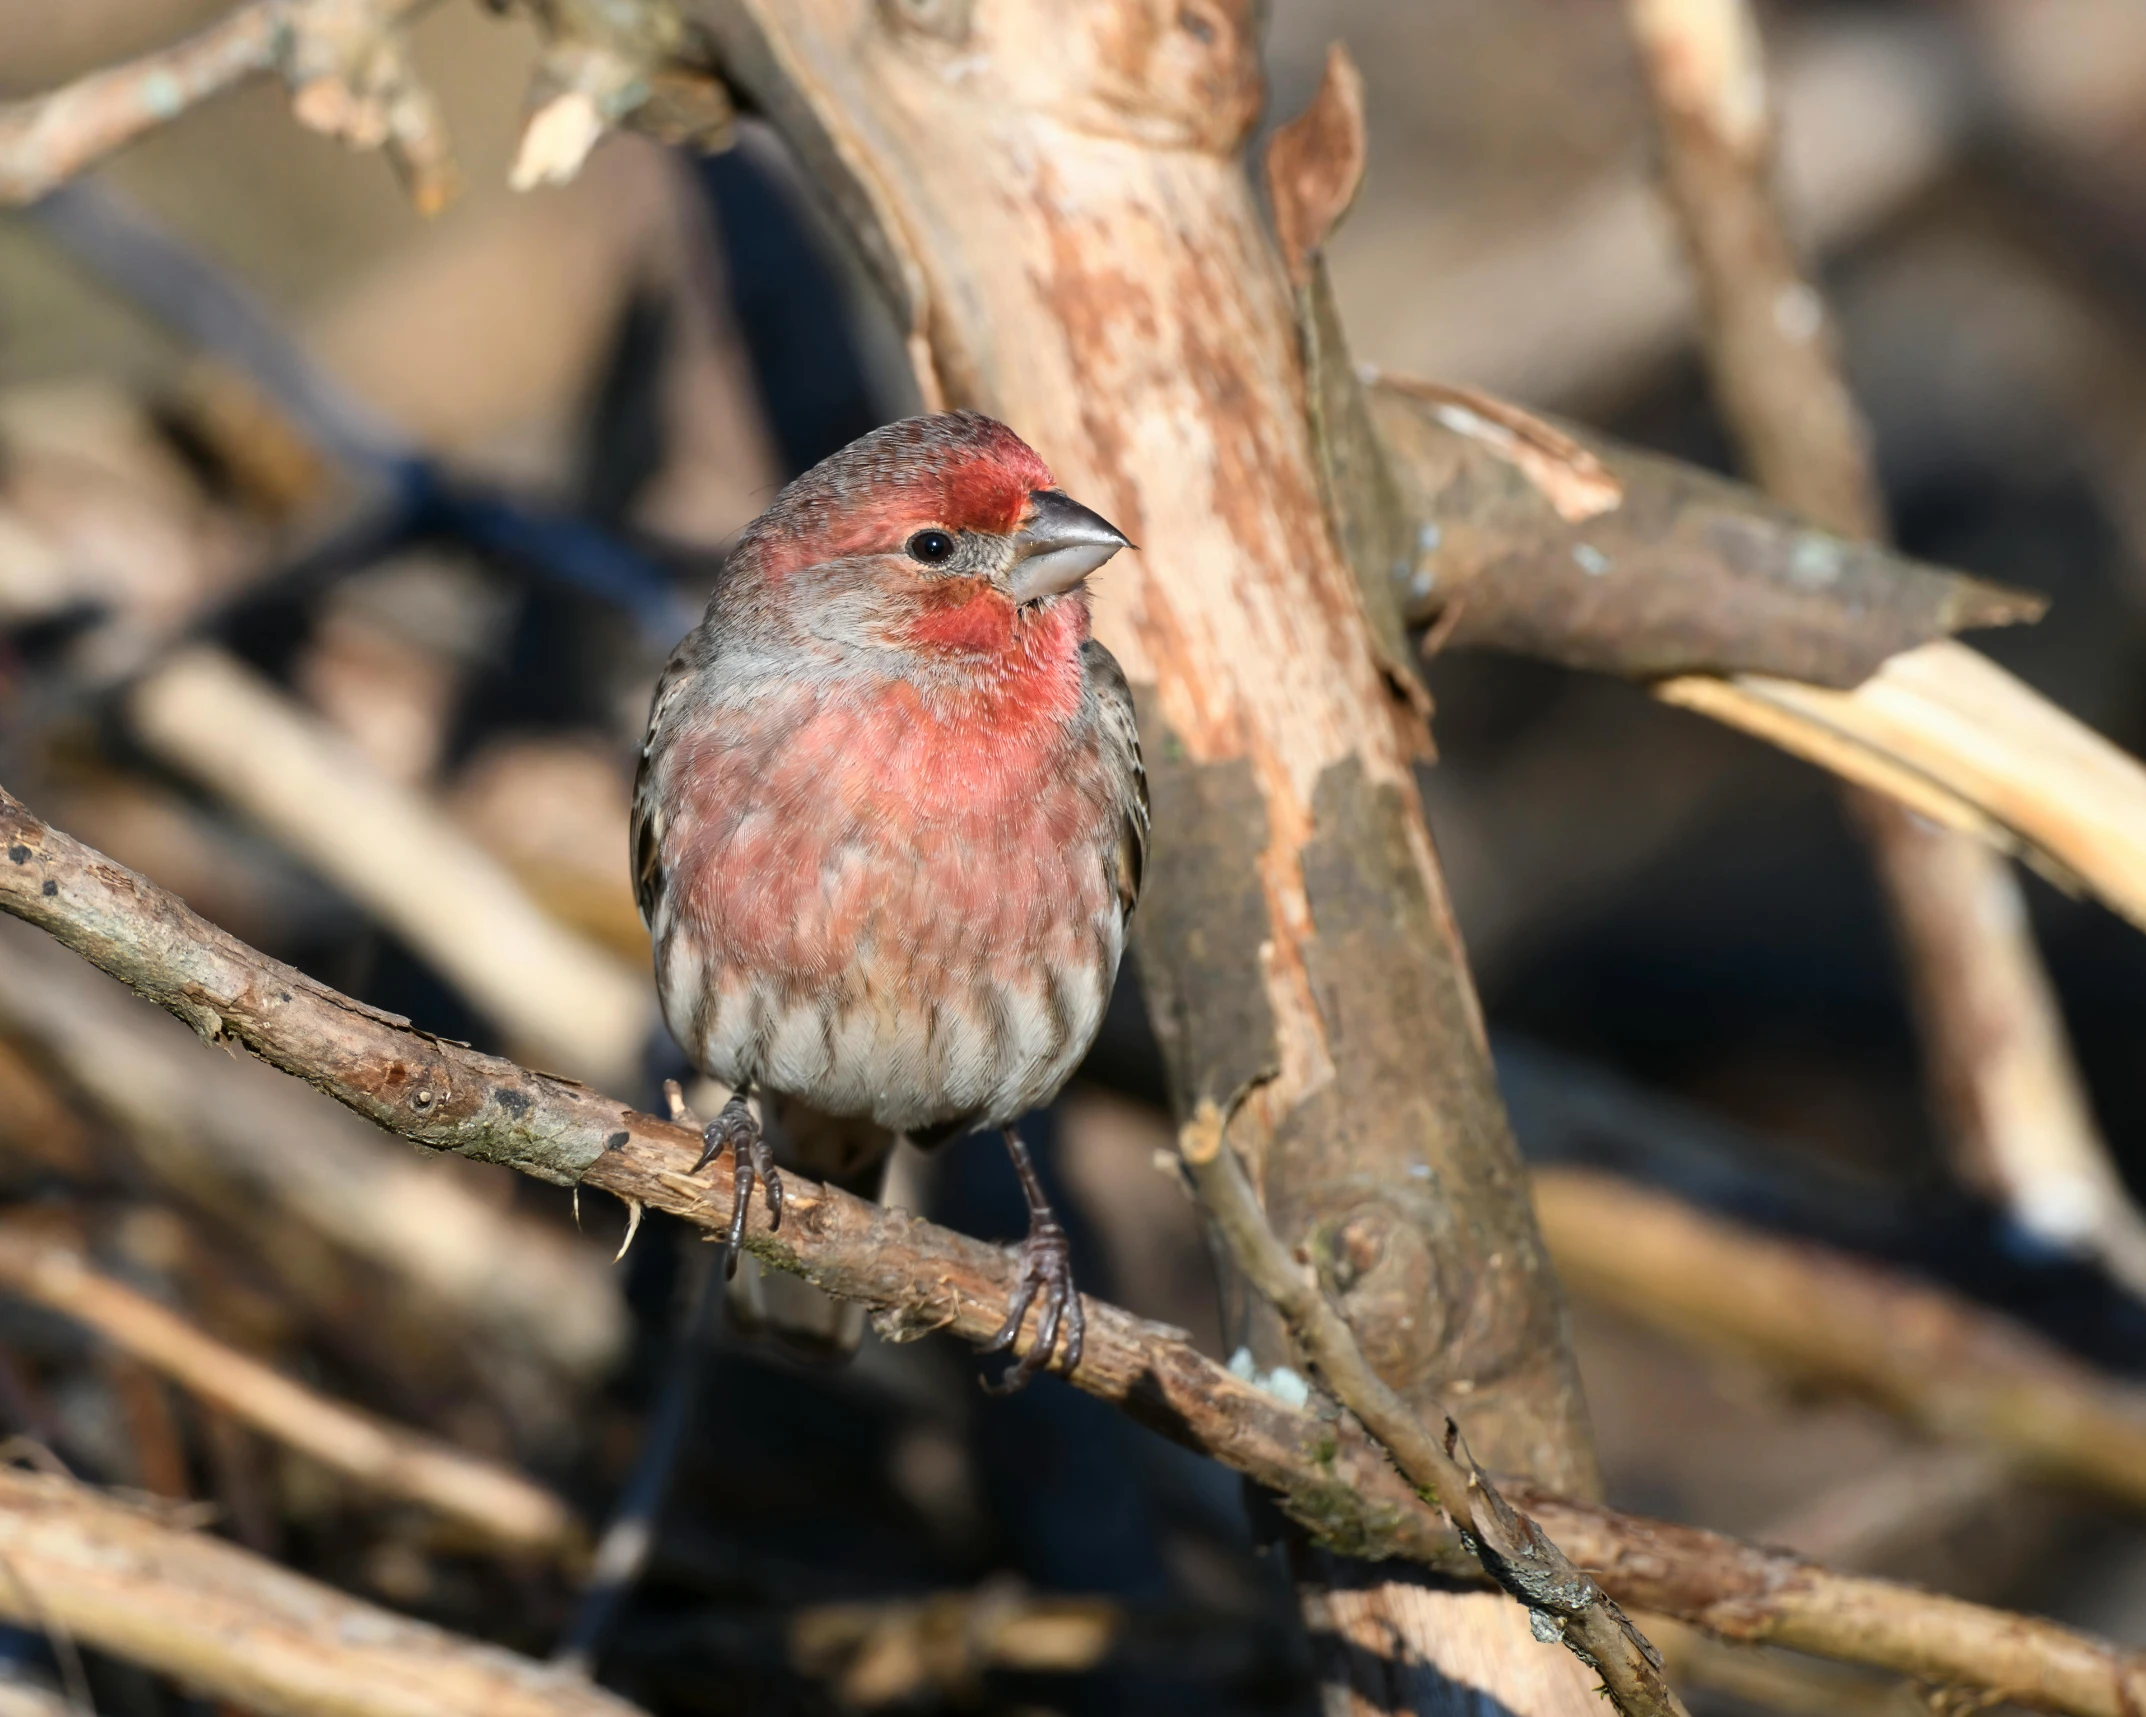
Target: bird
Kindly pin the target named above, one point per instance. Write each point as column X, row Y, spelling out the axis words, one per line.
column 890, row 823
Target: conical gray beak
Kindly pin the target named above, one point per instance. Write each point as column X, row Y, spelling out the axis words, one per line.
column 1060, row 545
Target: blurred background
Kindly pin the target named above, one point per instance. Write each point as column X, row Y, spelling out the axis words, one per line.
column 446, row 575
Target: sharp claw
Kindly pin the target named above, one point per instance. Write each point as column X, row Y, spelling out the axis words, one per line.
column 741, row 1190
column 1045, row 1270
column 1010, row 1330
column 1039, row 1356
column 751, row 1162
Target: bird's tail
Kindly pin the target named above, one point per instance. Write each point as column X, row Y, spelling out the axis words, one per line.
column 775, row 1305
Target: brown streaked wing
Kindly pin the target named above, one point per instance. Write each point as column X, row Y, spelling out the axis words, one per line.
column 646, row 847
column 1121, row 749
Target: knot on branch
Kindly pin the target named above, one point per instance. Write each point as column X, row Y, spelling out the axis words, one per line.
column 606, row 68
column 352, row 76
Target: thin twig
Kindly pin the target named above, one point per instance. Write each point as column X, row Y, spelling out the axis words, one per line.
column 48, row 138
column 346, row 61
column 501, row 1505
column 1564, row 1605
column 922, row 1277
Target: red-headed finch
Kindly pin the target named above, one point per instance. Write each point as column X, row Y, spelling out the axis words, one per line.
column 890, row 821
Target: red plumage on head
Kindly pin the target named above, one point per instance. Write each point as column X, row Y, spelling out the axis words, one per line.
column 960, row 470
column 890, row 819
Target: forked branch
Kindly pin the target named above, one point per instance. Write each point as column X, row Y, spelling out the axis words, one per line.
column 921, row 1278
column 1564, row 1605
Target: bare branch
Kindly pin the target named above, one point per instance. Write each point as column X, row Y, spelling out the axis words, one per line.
column 1564, row 1606
column 1686, row 569
column 922, row 1278
column 570, row 1003
column 265, row 1159
column 501, row 1505
column 347, row 61
column 237, row 1626
column 605, row 66
column 47, row 139
column 1825, row 1318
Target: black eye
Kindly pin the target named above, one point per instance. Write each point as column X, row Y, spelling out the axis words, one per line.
column 933, row 548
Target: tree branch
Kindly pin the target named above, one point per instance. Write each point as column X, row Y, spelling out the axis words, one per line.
column 499, row 1504
column 1564, row 1606
column 1650, row 586
column 1823, row 1317
column 921, row 1278
column 221, row 1619
column 347, row 62
column 47, row 139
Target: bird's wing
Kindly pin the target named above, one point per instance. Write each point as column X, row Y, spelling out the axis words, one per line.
column 646, row 849
column 1121, row 751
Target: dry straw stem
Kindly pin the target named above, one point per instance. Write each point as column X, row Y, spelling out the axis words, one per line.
column 234, row 1625
column 570, row 1004
column 1564, row 1606
column 923, row 1278
column 346, row 60
column 1822, row 1317
column 1953, row 736
column 501, row 1506
column 1993, row 1039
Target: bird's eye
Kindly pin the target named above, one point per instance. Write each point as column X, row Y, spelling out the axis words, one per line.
column 933, row 548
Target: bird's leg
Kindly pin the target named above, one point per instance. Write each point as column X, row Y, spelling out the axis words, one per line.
column 751, row 1160
column 1046, row 1269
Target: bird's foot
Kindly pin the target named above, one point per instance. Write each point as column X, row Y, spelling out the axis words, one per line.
column 736, row 1129
column 1046, row 1271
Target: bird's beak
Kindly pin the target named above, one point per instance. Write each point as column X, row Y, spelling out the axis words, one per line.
column 1060, row 545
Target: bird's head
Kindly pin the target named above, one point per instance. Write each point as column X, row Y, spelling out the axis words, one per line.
column 946, row 528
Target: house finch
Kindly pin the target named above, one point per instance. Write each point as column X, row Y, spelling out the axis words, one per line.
column 890, row 821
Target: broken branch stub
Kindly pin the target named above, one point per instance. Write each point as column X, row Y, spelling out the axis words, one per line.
column 1556, row 543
